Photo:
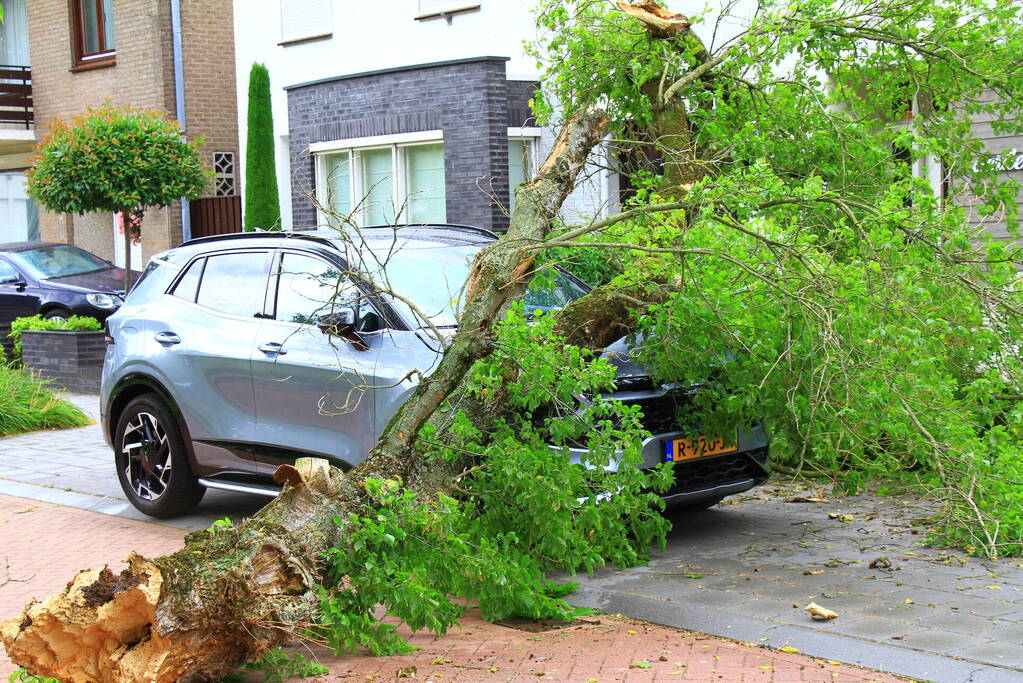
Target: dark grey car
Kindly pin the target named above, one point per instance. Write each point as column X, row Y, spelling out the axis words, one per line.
column 235, row 354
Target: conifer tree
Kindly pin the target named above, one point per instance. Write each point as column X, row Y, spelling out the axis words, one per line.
column 262, row 203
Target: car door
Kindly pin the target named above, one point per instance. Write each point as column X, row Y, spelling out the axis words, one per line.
column 199, row 336
column 314, row 391
column 15, row 299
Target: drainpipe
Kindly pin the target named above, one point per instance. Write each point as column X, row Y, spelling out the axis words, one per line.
column 179, row 99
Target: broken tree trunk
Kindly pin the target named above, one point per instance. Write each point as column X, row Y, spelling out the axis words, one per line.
column 225, row 597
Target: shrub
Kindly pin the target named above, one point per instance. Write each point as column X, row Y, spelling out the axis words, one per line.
column 28, row 404
column 37, row 322
column 262, row 202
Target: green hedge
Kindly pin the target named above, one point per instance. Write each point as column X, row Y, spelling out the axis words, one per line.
column 38, row 322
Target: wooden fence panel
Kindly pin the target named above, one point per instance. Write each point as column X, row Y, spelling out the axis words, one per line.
column 216, row 215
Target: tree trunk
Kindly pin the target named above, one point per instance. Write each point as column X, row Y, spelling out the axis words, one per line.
column 224, row 597
column 126, row 219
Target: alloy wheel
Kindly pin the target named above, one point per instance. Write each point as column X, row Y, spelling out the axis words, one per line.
column 147, row 456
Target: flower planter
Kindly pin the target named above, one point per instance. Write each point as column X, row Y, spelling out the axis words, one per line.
column 72, row 359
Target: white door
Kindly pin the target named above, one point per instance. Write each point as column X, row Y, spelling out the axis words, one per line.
column 136, row 249
column 18, row 218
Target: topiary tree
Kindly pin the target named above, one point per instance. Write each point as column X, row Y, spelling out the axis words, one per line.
column 119, row 160
column 262, row 203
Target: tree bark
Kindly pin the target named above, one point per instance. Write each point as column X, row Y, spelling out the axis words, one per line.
column 226, row 596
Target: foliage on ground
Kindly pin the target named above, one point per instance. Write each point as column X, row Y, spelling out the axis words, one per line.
column 522, row 509
column 28, row 404
column 278, row 665
column 38, row 322
column 23, row 676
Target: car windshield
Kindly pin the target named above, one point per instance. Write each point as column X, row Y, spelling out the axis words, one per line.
column 432, row 280
column 58, row 260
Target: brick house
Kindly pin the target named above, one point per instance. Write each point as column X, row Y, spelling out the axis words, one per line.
column 410, row 112
column 83, row 53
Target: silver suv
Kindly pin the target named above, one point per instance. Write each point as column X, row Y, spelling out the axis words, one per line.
column 236, row 353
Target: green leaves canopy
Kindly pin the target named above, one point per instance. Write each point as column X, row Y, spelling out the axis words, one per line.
column 115, row 159
column 811, row 268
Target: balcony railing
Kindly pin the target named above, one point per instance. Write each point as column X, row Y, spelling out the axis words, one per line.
column 16, row 95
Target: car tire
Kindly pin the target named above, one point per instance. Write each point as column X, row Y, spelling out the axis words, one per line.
column 60, row 314
column 152, row 464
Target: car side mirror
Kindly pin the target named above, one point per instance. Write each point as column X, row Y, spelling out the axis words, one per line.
column 13, row 281
column 341, row 323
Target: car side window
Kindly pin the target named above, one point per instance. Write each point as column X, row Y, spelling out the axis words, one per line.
column 188, row 285
column 234, row 283
column 310, row 288
column 7, row 272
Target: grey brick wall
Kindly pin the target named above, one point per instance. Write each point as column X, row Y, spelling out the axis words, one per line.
column 73, row 360
column 467, row 99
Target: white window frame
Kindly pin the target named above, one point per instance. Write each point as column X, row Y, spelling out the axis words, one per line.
column 530, row 135
column 440, row 8
column 354, row 147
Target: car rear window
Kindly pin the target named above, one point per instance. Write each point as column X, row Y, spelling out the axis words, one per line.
column 188, row 285
column 234, row 283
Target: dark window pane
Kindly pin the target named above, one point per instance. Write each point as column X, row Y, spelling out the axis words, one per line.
column 94, row 21
column 90, row 27
column 189, row 282
column 310, row 288
column 234, row 283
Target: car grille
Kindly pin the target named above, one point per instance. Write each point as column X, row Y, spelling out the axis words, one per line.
column 694, row 475
column 660, row 413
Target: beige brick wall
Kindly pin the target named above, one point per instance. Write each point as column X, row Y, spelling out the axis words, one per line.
column 207, row 28
column 142, row 76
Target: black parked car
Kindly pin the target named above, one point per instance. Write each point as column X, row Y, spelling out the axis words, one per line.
column 56, row 281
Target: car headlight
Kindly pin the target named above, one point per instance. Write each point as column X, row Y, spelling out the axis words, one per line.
column 105, row 302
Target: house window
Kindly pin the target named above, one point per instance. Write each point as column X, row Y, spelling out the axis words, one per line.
column 381, row 184
column 224, row 174
column 303, row 20
column 94, row 30
column 522, row 154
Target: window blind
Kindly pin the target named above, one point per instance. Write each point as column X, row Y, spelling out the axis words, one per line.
column 305, row 19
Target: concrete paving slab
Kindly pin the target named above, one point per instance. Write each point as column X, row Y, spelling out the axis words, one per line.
column 924, row 639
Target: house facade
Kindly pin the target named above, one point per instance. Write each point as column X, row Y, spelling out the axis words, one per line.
column 415, row 111
column 172, row 56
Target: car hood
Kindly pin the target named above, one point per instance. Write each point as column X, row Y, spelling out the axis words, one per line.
column 106, row 280
column 621, row 355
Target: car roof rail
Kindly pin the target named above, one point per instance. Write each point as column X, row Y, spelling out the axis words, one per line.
column 456, row 226
column 279, row 234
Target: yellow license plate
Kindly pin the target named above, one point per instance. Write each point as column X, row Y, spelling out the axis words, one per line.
column 677, row 450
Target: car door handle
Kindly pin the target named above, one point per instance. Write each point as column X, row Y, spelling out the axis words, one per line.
column 167, row 338
column 273, row 347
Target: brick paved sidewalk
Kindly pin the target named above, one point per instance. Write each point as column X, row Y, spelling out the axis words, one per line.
column 42, row 545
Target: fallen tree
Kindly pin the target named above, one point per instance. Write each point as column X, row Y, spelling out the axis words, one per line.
column 792, row 250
